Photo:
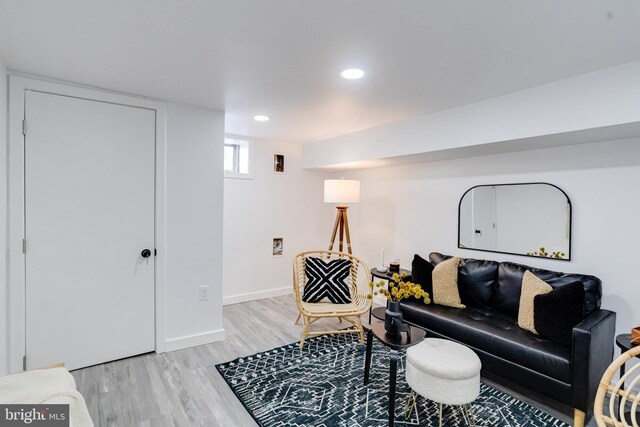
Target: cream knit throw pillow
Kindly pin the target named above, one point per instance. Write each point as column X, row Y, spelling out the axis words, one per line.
column 531, row 286
column 445, row 283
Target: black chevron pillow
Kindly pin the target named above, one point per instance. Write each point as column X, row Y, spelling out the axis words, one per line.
column 327, row 279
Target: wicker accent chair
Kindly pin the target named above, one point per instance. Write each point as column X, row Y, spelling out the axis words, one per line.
column 619, row 398
column 312, row 312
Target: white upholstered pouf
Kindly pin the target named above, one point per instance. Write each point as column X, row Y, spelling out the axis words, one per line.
column 443, row 371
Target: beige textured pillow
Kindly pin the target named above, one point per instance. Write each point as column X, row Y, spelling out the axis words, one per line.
column 445, row 284
column 531, row 286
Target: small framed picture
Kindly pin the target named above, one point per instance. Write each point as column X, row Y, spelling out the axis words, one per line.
column 278, row 248
column 278, row 163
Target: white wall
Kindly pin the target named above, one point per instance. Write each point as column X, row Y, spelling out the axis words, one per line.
column 4, row 347
column 194, row 193
column 568, row 111
column 288, row 205
column 414, row 209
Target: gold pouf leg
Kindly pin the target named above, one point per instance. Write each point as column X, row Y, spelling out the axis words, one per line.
column 467, row 412
column 411, row 401
column 472, row 416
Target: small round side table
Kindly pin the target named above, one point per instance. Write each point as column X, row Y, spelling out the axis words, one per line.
column 623, row 341
column 385, row 275
column 378, row 313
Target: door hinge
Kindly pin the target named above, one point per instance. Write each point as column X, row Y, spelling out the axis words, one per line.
column 24, row 127
column 24, row 362
column 24, row 246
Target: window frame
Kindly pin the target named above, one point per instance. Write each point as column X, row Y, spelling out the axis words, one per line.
column 239, row 175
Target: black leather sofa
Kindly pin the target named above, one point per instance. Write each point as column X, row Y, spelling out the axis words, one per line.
column 488, row 325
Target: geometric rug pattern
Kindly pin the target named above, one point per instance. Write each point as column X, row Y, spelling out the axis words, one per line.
column 322, row 386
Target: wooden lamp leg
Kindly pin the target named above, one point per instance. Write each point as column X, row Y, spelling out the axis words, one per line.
column 341, row 226
column 340, row 245
column 335, row 230
column 346, row 230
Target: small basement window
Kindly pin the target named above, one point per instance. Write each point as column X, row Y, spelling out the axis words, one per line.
column 237, row 156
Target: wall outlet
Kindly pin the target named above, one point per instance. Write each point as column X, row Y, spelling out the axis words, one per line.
column 204, row 293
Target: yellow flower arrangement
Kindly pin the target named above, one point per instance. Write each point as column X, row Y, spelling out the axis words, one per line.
column 542, row 252
column 399, row 289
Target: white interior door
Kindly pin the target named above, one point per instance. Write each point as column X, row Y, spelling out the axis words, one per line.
column 89, row 214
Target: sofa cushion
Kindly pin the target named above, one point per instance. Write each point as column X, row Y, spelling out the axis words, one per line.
column 445, row 284
column 495, row 333
column 531, row 287
column 421, row 270
column 556, row 313
column 510, row 283
column 476, row 280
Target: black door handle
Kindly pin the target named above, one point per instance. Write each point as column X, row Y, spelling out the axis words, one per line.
column 146, row 253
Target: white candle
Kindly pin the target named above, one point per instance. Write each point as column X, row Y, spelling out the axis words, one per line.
column 382, row 259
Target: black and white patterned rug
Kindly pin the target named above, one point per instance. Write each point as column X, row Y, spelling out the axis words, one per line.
column 322, row 385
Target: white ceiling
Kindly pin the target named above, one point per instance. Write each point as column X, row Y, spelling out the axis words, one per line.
column 283, row 57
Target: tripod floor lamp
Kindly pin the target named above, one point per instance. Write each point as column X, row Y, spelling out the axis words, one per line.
column 341, row 191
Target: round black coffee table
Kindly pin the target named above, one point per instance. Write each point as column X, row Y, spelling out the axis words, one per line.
column 395, row 343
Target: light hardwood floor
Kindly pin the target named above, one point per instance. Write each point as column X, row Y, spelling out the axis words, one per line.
column 183, row 388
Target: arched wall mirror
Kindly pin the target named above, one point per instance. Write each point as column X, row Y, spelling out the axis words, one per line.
column 531, row 219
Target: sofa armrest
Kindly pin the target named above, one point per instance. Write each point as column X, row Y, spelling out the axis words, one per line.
column 592, row 352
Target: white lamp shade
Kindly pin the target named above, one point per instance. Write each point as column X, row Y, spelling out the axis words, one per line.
column 341, row 191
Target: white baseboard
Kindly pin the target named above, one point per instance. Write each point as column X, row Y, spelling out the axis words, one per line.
column 194, row 340
column 252, row 296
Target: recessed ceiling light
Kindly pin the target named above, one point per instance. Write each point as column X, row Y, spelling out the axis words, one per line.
column 261, row 118
column 352, row 73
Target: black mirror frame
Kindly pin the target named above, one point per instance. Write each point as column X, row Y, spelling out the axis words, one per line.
column 460, row 246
